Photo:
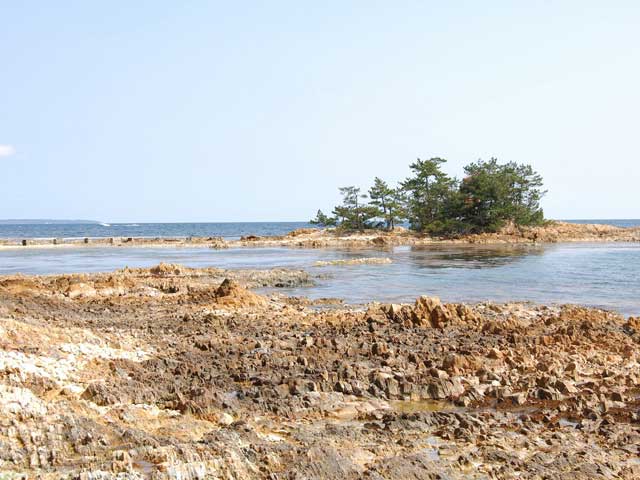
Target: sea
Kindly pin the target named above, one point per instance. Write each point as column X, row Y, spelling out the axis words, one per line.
column 230, row 230
column 605, row 275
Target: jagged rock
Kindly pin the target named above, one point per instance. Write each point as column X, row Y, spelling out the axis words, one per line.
column 566, row 387
column 126, row 384
column 516, row 398
column 549, row 394
column 166, row 269
column 455, row 363
column 231, row 293
column 445, row 388
column 101, row 394
column 379, row 348
column 634, row 324
column 495, row 354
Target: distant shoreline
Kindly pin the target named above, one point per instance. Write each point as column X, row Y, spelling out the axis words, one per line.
column 554, row 232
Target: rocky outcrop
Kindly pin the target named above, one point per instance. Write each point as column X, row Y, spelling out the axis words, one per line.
column 427, row 312
column 230, row 293
column 205, row 379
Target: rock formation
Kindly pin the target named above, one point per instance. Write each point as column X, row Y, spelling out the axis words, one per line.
column 179, row 373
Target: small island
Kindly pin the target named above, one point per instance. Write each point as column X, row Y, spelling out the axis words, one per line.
column 490, row 196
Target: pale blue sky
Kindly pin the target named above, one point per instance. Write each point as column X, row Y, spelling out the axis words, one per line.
column 239, row 111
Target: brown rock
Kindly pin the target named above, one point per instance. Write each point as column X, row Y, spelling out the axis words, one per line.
column 455, row 363
column 166, row 269
column 445, row 388
column 495, row 354
column 566, row 387
column 634, row 323
column 379, row 348
column 516, row 398
column 231, row 293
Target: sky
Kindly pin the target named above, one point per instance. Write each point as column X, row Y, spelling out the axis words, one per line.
column 258, row 111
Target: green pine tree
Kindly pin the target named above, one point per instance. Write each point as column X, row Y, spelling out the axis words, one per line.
column 354, row 213
column 494, row 194
column 323, row 220
column 387, row 201
column 431, row 196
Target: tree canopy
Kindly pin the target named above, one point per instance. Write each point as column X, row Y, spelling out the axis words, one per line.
column 489, row 196
column 494, row 194
column 388, row 202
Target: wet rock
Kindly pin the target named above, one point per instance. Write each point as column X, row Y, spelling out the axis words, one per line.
column 355, row 261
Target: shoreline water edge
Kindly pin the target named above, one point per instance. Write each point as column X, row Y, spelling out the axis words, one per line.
column 553, row 232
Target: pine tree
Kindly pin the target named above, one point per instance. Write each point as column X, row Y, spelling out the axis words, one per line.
column 353, row 214
column 490, row 196
column 323, row 220
column 430, row 195
column 387, row 202
column 494, row 194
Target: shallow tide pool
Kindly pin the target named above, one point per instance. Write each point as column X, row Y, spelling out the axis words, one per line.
column 603, row 275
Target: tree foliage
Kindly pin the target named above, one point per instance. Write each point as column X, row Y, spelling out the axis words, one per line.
column 496, row 194
column 489, row 196
column 323, row 220
column 431, row 196
column 388, row 202
column 354, row 213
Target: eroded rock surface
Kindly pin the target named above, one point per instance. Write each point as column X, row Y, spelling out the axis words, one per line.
column 181, row 373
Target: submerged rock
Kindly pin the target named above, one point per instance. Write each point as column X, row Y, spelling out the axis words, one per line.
column 355, row 261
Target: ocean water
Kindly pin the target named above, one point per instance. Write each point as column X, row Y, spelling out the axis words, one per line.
column 225, row 230
column 605, row 275
column 173, row 230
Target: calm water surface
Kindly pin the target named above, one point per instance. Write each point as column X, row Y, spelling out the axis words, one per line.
column 104, row 230
column 604, row 275
column 227, row 230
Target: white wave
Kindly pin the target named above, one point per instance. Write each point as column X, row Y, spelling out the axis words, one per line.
column 105, row 224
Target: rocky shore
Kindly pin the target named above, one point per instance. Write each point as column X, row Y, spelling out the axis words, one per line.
column 552, row 232
column 179, row 373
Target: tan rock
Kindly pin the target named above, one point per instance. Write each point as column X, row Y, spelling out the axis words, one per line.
column 80, row 290
column 231, row 293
